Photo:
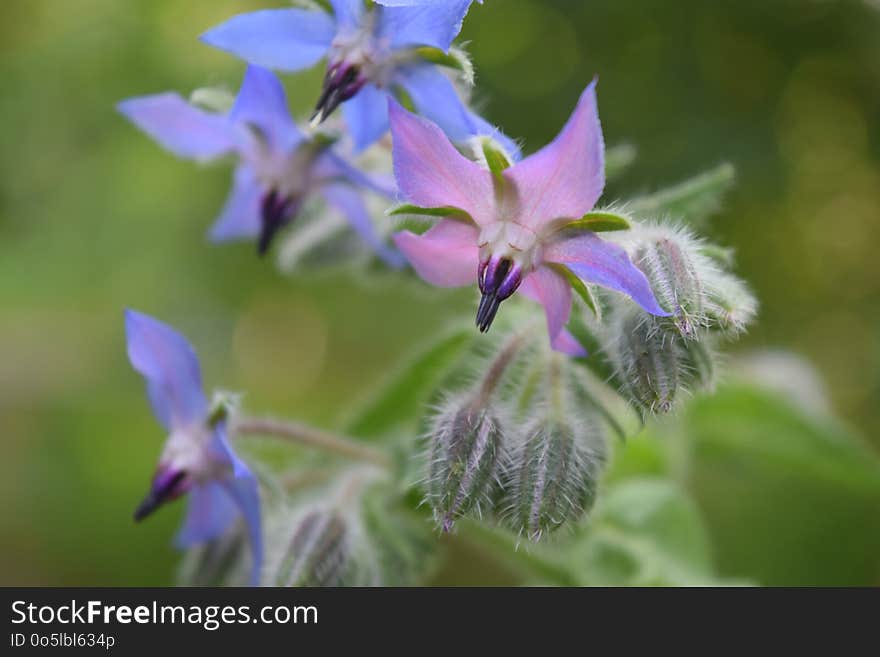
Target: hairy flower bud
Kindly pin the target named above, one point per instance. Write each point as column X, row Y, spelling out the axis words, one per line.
column 465, row 446
column 216, row 563
column 551, row 477
column 731, row 306
column 403, row 547
column 674, row 267
column 699, row 362
column 649, row 363
column 318, row 552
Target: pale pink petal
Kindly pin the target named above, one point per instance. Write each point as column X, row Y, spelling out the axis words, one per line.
column 446, row 255
column 431, row 173
column 565, row 178
column 553, row 292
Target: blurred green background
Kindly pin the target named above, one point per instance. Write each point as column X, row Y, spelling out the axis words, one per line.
column 94, row 217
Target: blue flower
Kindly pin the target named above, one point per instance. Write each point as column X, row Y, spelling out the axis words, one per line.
column 371, row 53
column 278, row 166
column 197, row 458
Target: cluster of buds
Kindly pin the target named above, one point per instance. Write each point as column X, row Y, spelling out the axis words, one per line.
column 534, row 468
column 657, row 358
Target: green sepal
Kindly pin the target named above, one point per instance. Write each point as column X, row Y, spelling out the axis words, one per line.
column 600, row 221
column 582, row 289
column 213, row 99
column 455, row 58
column 496, row 158
column 444, row 211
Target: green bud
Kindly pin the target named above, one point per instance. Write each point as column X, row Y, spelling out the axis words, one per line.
column 552, row 475
column 403, row 547
column 673, row 267
column 465, row 447
column 649, row 362
column 216, row 563
column 731, row 306
column 318, row 552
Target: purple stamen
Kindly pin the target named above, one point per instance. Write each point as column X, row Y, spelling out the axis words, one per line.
column 167, row 485
column 341, row 82
column 275, row 213
column 498, row 278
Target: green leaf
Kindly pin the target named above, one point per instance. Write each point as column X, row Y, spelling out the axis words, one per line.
column 401, row 399
column 599, row 221
column 598, row 397
column 693, row 200
column 646, row 531
column 597, row 360
column 790, row 496
column 584, row 291
column 404, row 547
column 618, row 159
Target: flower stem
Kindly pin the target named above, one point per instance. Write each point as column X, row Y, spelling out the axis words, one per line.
column 556, row 383
column 307, row 436
column 500, row 363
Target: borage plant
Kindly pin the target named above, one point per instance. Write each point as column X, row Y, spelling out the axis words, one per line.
column 501, row 438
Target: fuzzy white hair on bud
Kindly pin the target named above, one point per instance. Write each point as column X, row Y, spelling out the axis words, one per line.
column 552, row 474
column 466, row 443
column 731, row 306
column 674, row 262
column 317, row 550
column 650, row 362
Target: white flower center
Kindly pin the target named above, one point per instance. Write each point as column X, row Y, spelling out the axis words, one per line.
column 188, row 450
column 506, row 239
column 360, row 47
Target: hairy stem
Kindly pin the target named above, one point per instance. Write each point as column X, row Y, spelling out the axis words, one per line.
column 556, row 384
column 500, row 363
column 302, row 434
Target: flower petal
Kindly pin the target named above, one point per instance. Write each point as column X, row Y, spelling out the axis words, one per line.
column 240, row 217
column 245, row 491
column 366, row 116
column 409, row 3
column 262, row 102
column 348, row 201
column 170, row 366
column 179, row 127
column 210, row 513
column 428, row 24
column 347, row 12
column 446, row 255
column 566, row 343
column 282, row 39
column 431, row 173
column 598, row 261
column 566, row 177
column 331, row 167
column 436, row 98
column 221, row 452
column 554, row 293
